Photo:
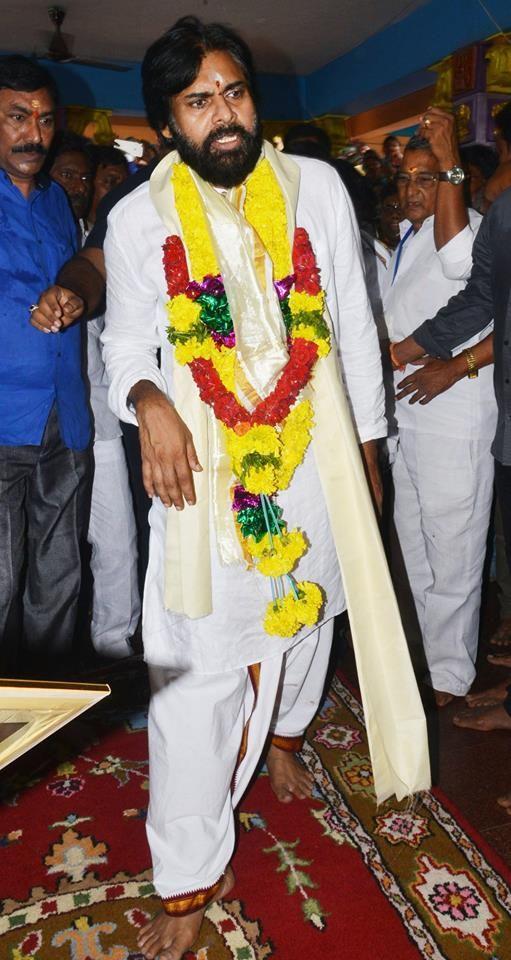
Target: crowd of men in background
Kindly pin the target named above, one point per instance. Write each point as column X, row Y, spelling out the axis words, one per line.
column 68, row 477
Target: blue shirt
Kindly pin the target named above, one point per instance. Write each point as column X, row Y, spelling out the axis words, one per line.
column 37, row 235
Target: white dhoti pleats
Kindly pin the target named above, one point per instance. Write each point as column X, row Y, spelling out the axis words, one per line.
column 197, row 724
column 443, row 494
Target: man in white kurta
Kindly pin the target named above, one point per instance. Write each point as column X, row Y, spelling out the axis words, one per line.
column 219, row 681
column 443, row 470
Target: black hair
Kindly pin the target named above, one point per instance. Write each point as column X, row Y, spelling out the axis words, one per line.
column 389, row 190
column 308, row 140
column 108, row 156
column 416, row 142
column 503, row 122
column 371, row 155
column 173, row 61
column 66, row 141
column 23, row 74
column 390, row 139
column 479, row 155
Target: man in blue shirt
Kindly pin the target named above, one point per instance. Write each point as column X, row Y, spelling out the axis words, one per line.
column 44, row 420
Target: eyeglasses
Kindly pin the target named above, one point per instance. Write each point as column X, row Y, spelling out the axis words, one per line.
column 421, row 179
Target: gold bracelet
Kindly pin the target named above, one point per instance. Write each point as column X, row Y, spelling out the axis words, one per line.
column 395, row 363
column 472, row 371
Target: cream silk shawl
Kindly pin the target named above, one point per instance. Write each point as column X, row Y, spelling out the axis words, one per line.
column 395, row 722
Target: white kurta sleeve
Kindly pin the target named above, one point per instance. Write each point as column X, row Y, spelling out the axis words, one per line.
column 456, row 255
column 357, row 335
column 130, row 338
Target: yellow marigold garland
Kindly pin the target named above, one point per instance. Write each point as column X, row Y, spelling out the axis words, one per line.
column 264, row 457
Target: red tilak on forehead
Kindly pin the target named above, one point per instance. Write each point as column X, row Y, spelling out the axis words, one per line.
column 35, row 104
column 218, row 84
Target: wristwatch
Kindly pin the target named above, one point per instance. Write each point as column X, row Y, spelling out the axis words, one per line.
column 455, row 175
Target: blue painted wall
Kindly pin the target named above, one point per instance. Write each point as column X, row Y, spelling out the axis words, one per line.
column 387, row 65
column 121, row 92
column 394, row 61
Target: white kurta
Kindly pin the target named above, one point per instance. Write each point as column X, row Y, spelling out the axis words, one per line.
column 232, row 635
column 426, row 279
column 443, row 469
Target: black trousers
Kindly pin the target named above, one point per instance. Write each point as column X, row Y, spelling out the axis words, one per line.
column 44, row 494
column 503, row 487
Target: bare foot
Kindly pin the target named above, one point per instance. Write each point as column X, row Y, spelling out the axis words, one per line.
column 505, row 802
column 442, row 698
column 499, row 660
column 489, row 698
column 168, row 938
column 287, row 776
column 484, row 718
column 502, row 636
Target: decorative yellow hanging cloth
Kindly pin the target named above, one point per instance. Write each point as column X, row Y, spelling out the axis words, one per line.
column 395, row 722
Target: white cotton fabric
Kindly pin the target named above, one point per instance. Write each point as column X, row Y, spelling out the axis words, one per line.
column 113, row 536
column 426, row 279
column 136, row 328
column 443, row 494
column 191, row 829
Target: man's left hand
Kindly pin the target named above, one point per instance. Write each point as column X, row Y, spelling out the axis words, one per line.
column 433, row 377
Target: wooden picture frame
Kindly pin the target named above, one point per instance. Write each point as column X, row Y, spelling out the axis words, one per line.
column 32, row 710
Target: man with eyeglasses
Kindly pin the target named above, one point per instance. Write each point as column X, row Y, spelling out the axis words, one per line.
column 443, row 470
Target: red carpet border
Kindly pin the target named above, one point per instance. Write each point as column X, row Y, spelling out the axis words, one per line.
column 333, row 879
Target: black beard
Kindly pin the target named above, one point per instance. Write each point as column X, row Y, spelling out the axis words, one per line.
column 221, row 169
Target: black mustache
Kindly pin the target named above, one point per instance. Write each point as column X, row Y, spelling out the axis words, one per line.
column 30, row 148
column 222, row 132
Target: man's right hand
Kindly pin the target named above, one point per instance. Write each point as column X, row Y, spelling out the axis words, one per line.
column 57, row 308
column 168, row 452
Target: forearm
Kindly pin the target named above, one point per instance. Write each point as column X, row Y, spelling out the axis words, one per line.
column 85, row 276
column 482, row 352
column 451, row 215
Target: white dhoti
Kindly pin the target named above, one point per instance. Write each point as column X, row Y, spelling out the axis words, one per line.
column 443, row 495
column 113, row 537
column 206, row 736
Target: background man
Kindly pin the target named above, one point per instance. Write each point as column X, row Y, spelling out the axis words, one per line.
column 443, row 472
column 501, row 179
column 393, row 153
column 112, row 532
column 71, row 164
column 111, row 171
column 44, row 422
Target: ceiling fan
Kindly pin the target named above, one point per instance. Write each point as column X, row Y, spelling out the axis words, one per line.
column 59, row 46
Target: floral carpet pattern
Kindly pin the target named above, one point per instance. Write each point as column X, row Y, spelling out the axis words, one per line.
column 330, row 878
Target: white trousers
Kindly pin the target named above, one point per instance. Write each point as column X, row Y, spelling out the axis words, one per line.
column 443, row 494
column 113, row 537
column 196, row 726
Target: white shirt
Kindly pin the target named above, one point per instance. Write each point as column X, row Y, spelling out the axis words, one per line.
column 136, row 321
column 425, row 280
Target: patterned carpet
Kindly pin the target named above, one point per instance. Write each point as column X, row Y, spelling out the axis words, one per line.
column 333, row 878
